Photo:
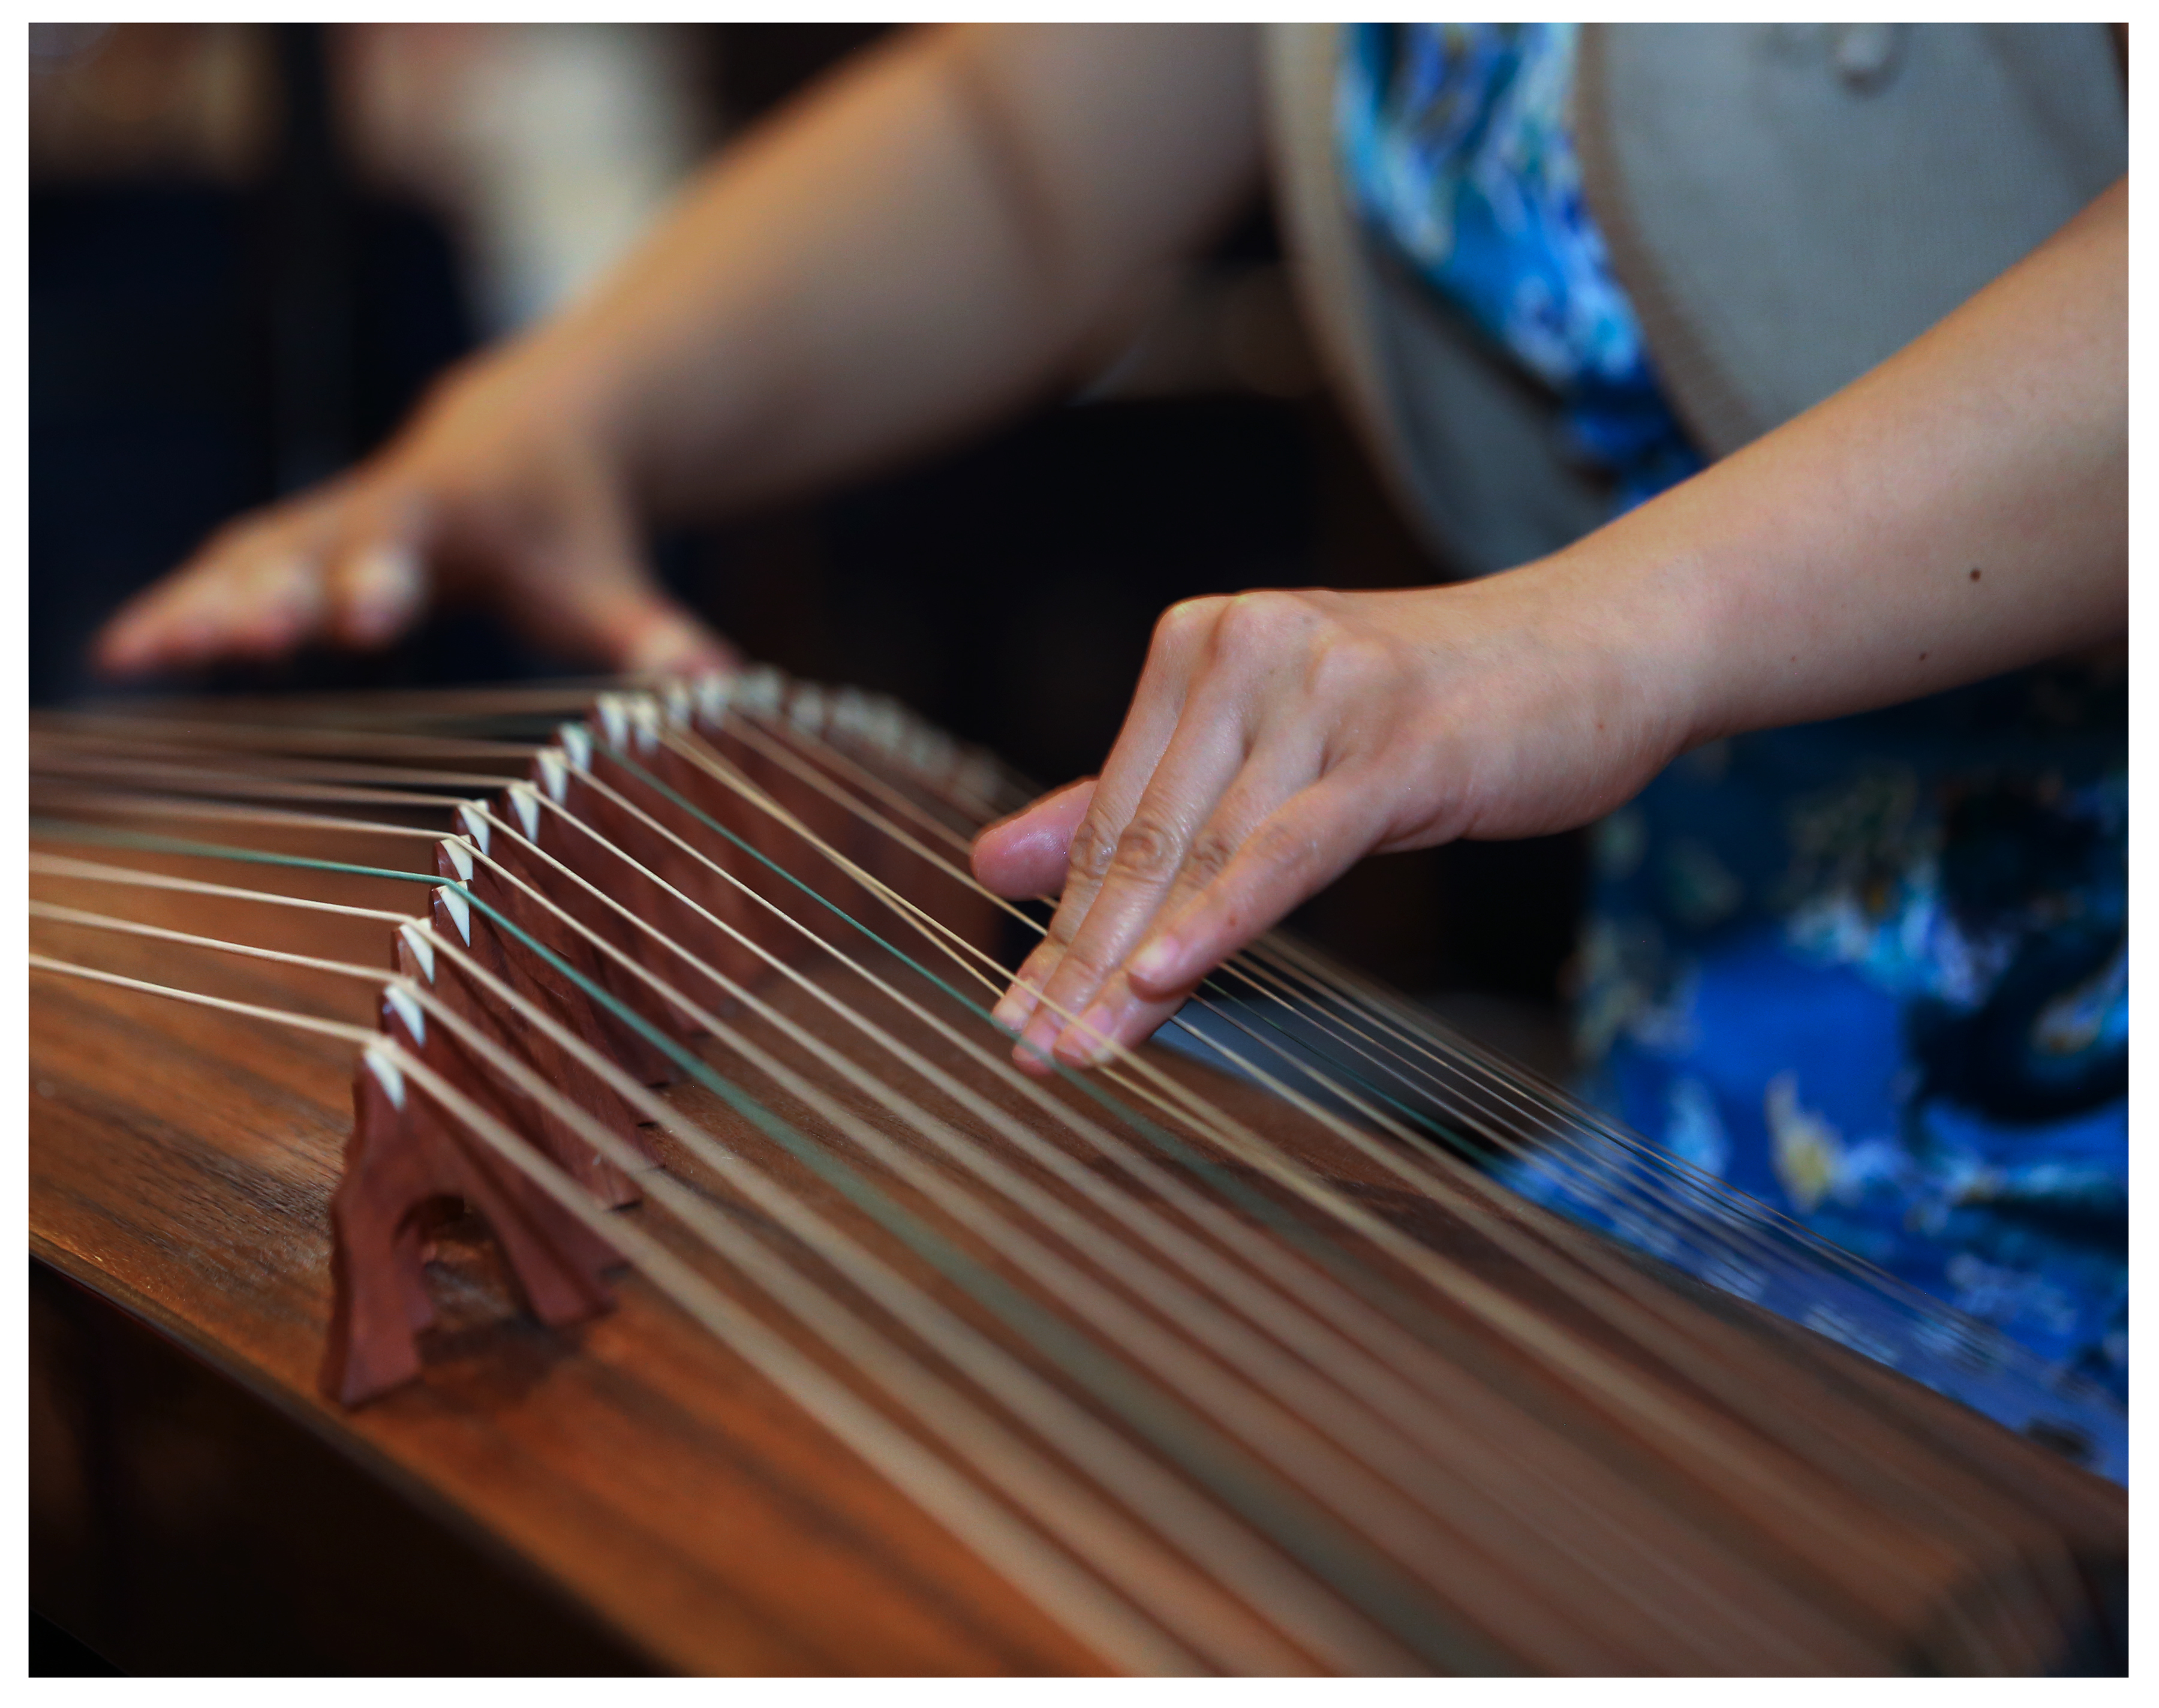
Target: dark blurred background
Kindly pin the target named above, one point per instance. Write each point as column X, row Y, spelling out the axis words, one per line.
column 253, row 246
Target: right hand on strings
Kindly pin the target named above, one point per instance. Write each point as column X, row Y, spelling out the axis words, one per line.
column 1277, row 737
column 1960, row 511
column 503, row 491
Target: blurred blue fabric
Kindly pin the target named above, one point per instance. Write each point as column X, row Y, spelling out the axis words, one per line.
column 1873, row 972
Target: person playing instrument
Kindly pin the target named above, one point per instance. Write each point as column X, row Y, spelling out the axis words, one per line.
column 1873, row 969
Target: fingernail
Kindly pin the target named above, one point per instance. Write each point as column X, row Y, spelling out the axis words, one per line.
column 1154, row 962
column 1040, row 1038
column 1011, row 1012
column 381, row 587
column 674, row 644
column 1086, row 1042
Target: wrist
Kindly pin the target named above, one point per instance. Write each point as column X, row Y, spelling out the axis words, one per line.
column 1632, row 643
column 1655, row 597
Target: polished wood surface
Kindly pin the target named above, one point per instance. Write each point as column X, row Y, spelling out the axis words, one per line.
column 1831, row 1514
column 181, row 1165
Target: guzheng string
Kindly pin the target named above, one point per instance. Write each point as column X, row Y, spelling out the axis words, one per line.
column 1245, row 1647
column 1737, row 1211
column 1643, row 1212
column 1348, row 1649
column 316, row 962
column 1613, row 1384
column 1598, row 1167
column 1646, row 1212
column 1210, row 1462
column 1104, row 1621
column 1306, row 1395
column 1254, row 970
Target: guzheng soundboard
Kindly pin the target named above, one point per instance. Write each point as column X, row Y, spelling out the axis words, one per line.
column 577, row 1107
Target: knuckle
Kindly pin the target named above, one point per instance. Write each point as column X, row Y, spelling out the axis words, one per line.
column 1261, row 619
column 1185, row 624
column 1146, row 851
column 1285, row 846
column 1085, row 966
column 1094, row 847
column 1212, row 851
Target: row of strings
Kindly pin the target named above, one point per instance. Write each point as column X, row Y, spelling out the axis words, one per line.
column 1389, row 1052
column 1354, row 1491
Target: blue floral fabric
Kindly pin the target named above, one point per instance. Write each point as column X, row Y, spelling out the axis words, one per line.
column 1460, row 154
column 1874, row 971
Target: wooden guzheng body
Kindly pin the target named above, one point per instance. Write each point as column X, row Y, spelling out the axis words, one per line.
column 612, row 1146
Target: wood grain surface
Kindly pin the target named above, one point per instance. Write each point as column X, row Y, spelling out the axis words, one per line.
column 181, row 1163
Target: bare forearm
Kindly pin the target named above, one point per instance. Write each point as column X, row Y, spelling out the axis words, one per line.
column 1960, row 511
column 933, row 236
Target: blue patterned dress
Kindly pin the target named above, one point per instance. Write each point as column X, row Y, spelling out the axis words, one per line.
column 1873, row 971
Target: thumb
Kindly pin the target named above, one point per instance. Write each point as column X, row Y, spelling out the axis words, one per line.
column 1027, row 854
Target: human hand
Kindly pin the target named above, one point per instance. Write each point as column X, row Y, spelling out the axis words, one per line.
column 503, row 490
column 1277, row 738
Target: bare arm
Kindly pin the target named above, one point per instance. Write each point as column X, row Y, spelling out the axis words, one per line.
column 943, row 230
column 940, row 230
column 1961, row 510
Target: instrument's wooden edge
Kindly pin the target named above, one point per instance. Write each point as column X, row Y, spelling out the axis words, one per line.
column 892, row 1591
column 508, row 1596
column 2093, row 1535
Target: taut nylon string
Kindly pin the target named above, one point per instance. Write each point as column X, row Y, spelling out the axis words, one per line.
column 1488, row 1091
column 1291, row 1520
column 1262, row 1314
column 1333, row 1410
column 1551, row 1134
column 1106, row 1621
column 1695, row 1432
column 1282, row 1430
column 168, row 842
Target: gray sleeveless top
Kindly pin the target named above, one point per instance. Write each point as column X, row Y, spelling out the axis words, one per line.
column 1786, row 205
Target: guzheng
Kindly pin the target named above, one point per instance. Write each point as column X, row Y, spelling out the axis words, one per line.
column 584, row 1097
